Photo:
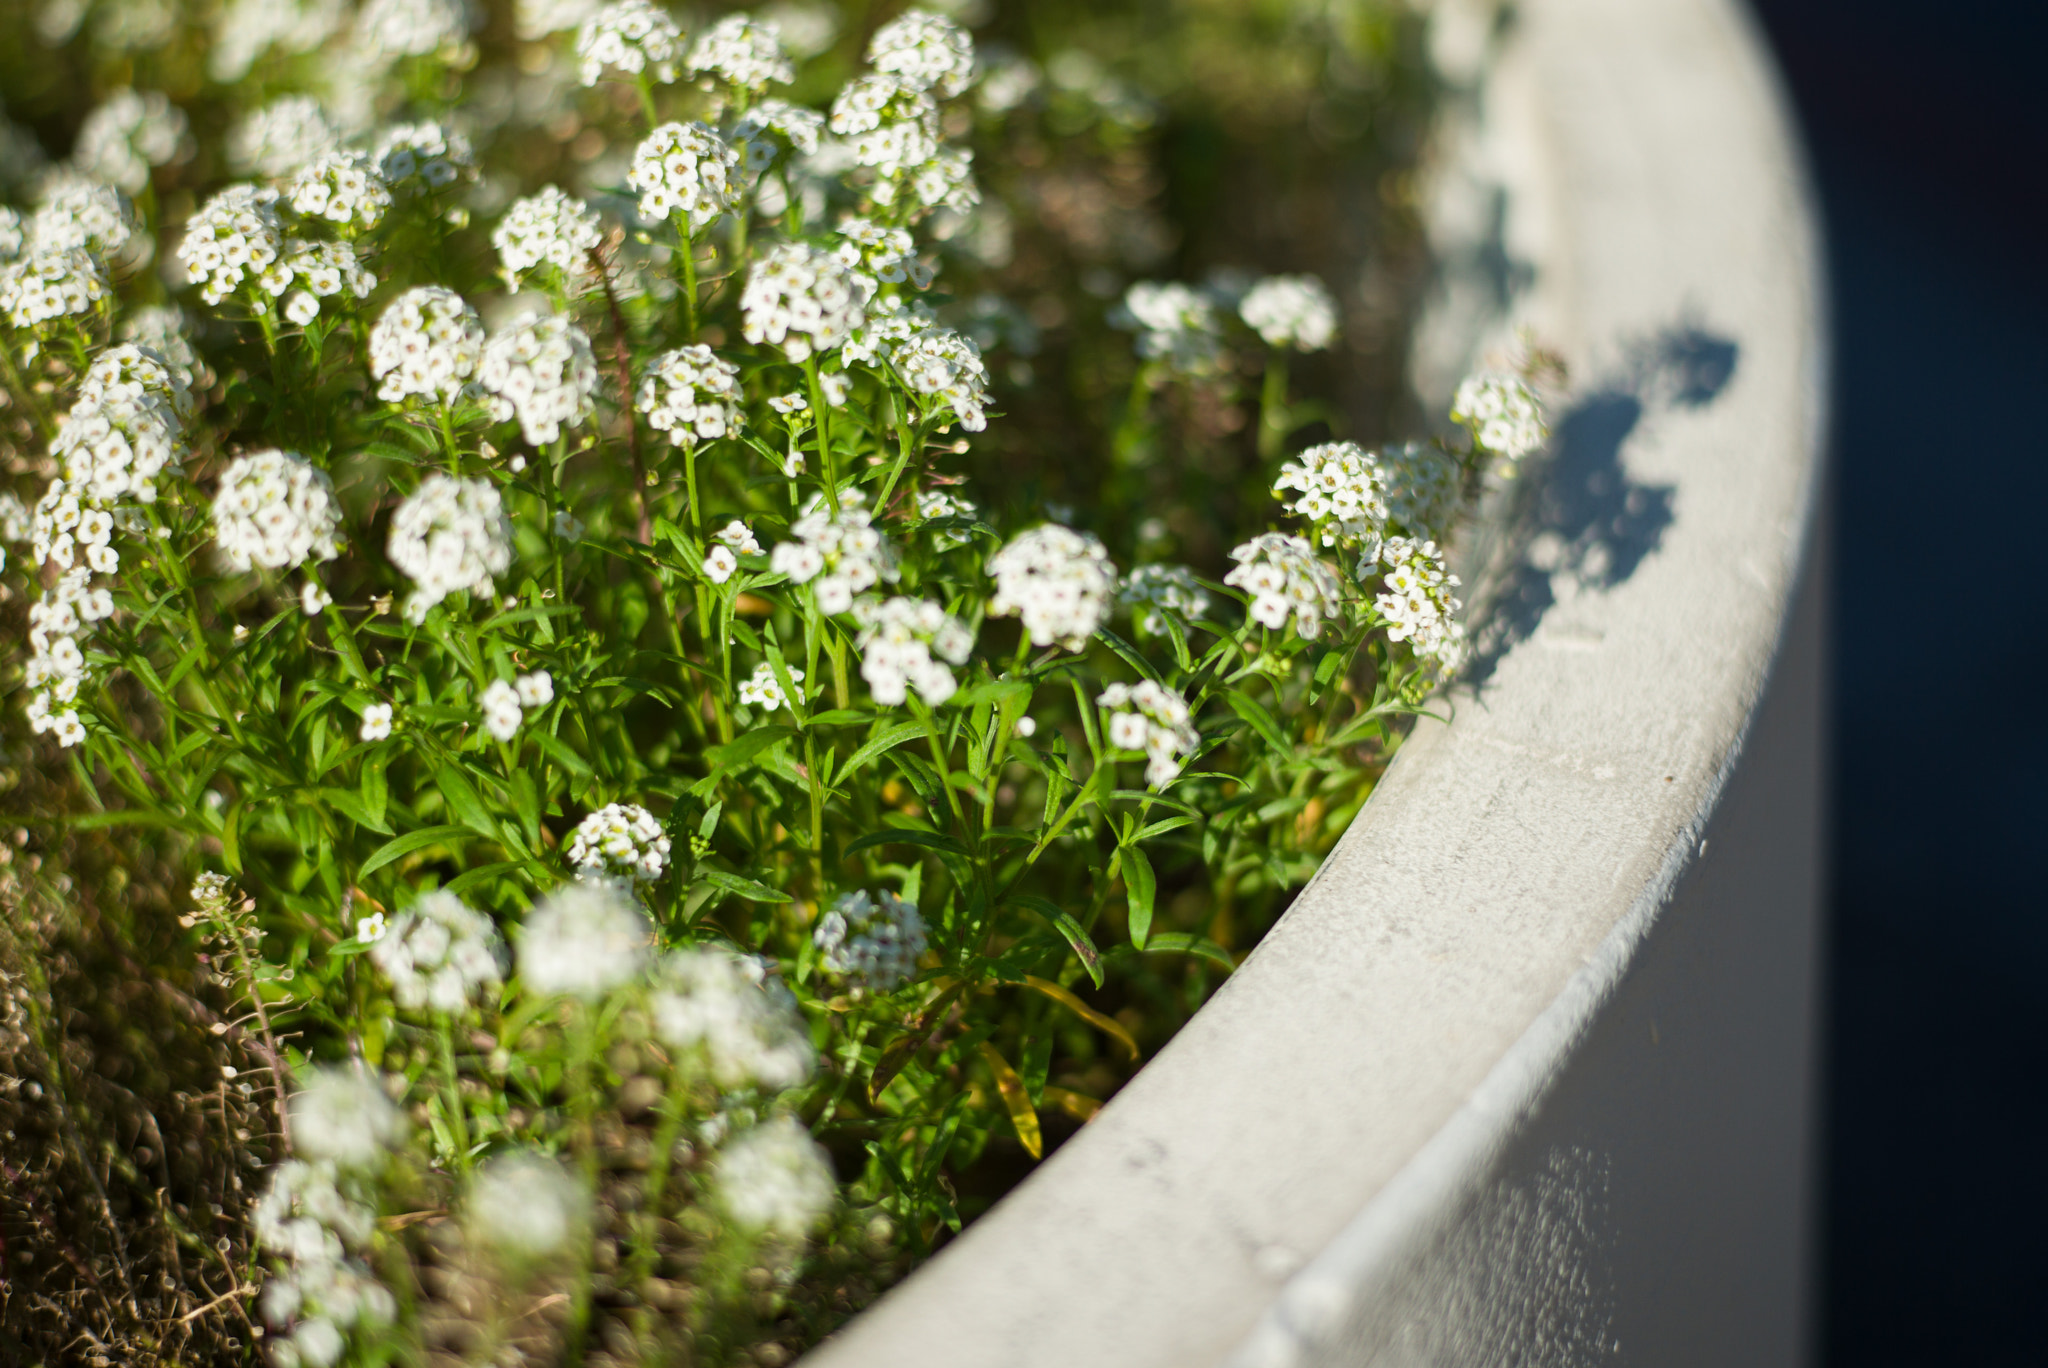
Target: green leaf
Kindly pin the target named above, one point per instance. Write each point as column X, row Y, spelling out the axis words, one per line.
column 231, row 839
column 465, row 803
column 1127, row 651
column 526, row 802
column 558, row 751
column 1252, row 711
column 1141, row 887
column 887, row 741
column 376, row 793
column 1063, row 922
column 736, row 753
column 351, row 806
column 470, row 878
column 930, row 840
column 1177, row 942
column 744, row 888
column 407, row 844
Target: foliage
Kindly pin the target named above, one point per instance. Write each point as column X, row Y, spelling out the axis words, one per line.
column 640, row 738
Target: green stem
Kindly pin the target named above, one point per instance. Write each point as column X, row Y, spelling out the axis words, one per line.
column 1273, row 416
column 689, row 251
column 828, row 467
column 451, row 1082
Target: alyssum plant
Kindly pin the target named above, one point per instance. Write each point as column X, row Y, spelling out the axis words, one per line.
column 626, row 757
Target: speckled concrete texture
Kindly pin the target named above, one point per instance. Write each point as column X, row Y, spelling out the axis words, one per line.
column 1420, row 1125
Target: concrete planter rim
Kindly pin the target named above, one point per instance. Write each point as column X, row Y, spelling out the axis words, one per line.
column 1628, row 185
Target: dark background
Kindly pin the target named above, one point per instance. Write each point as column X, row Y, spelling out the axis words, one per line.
column 1927, row 126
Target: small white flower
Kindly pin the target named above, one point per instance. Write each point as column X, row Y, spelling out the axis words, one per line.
column 1291, row 311
column 1416, row 601
column 872, row 940
column 631, row 38
column 502, row 715
column 345, row 189
column 370, row 929
column 547, row 229
column 764, row 691
column 232, row 240
column 693, row 395
column 525, row 1206
column 745, row 52
column 414, row 28
column 907, row 643
column 839, row 557
column 130, row 133
column 542, row 371
column 1286, row 583
column 281, row 137
column 376, row 722
column 535, row 690
column 1504, row 414
column 776, row 1179
column 801, row 299
column 686, row 170
column 1175, row 324
column 739, row 537
column 1027, row 727
column 1059, row 581
column 739, row 1022
column 440, row 953
column 1154, row 591
column 1149, row 717
column 620, row 840
column 450, row 535
column 342, row 1116
column 428, row 343
column 1341, row 490
column 421, row 159
column 275, row 509
column 720, row 564
column 583, row 940
column 314, row 598
column 1423, row 490
column 929, row 51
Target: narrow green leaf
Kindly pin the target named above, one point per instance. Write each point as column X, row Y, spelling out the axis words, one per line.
column 887, row 741
column 376, row 792
column 736, row 753
column 1141, row 887
column 1063, row 922
column 930, row 840
column 1178, row 942
column 743, row 888
column 231, row 839
column 402, row 846
column 470, row 878
column 1254, row 712
column 465, row 803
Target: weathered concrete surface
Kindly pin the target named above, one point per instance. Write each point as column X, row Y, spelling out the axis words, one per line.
column 1522, row 1077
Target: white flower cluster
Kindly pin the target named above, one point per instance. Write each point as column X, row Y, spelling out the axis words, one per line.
column 873, row 941
column 77, row 214
column 800, row 298
column 235, row 236
column 1415, row 599
column 1153, row 591
column 1342, row 491
column 1504, row 414
column 1291, row 311
column 738, row 1021
column 688, row 170
column 934, row 505
column 733, row 540
column 524, row 1205
column 762, row 132
column 244, row 30
column 540, row 370
column 879, row 256
column 275, row 509
column 619, row 841
column 534, row 20
column 281, row 137
column 632, row 38
column 439, row 954
column 583, row 940
column 13, row 233
column 342, row 1117
column 1286, row 581
column 126, row 428
column 926, row 50
column 127, row 134
column 345, row 188
column 764, row 691
column 1059, row 581
column 505, row 705
column 421, row 158
column 893, row 129
column 548, row 229
column 744, row 52
column 427, row 343
column 161, row 329
column 50, row 285
column 1175, row 323
column 1422, row 488
column 692, row 395
column 838, row 556
column 322, row 270
column 450, row 535
column 776, row 1179
column 414, row 28
column 327, row 1288
column 56, row 669
column 907, row 643
column 1152, row 718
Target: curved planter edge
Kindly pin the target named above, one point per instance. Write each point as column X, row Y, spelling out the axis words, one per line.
column 1524, row 1074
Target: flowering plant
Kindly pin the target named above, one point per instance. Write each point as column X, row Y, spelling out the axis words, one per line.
column 651, row 818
